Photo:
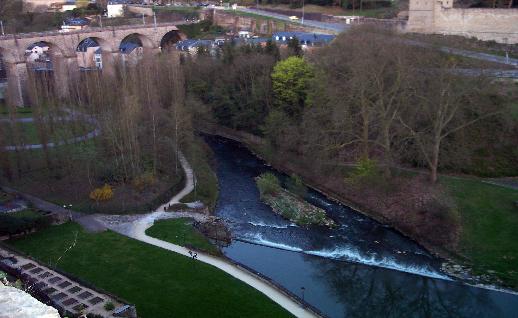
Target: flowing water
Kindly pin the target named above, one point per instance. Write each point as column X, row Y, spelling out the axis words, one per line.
column 360, row 269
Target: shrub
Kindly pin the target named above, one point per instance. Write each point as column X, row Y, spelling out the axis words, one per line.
column 109, row 306
column 296, row 186
column 268, row 184
column 141, row 182
column 102, row 194
column 366, row 172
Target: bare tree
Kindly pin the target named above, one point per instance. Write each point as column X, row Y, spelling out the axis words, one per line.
column 444, row 104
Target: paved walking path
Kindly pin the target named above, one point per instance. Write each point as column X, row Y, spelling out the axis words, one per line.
column 136, row 227
column 189, row 184
column 72, row 116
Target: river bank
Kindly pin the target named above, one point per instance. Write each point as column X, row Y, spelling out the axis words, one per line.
column 454, row 263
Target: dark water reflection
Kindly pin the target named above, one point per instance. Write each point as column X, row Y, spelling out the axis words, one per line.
column 361, row 269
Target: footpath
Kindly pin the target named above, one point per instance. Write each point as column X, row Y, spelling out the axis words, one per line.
column 135, row 227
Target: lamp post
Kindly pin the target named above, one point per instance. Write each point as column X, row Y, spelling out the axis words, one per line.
column 302, row 11
column 506, row 51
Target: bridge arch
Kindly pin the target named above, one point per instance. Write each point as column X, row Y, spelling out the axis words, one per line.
column 89, row 52
column 169, row 39
column 133, row 46
column 40, row 55
column 136, row 38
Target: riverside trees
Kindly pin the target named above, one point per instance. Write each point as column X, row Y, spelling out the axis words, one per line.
column 371, row 107
column 366, row 96
column 141, row 123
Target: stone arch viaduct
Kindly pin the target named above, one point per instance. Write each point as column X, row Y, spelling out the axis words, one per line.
column 63, row 47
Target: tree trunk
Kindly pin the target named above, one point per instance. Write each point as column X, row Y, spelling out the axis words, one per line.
column 387, row 154
column 434, row 161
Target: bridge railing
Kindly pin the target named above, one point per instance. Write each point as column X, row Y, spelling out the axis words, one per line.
column 90, row 30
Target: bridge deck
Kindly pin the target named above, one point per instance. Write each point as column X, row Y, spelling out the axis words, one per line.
column 90, row 30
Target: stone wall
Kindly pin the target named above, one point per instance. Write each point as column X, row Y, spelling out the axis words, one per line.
column 484, row 24
column 439, row 16
column 147, row 11
column 39, row 5
column 256, row 24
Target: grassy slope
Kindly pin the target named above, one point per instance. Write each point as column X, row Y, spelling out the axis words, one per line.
column 489, row 226
column 206, row 181
column 160, row 283
column 331, row 10
column 180, row 232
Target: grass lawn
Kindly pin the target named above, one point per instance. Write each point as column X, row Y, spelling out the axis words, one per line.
column 27, row 213
column 21, row 112
column 489, row 226
column 159, row 282
column 181, row 232
column 30, row 134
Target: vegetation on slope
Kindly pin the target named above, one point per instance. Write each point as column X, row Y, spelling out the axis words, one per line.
column 199, row 156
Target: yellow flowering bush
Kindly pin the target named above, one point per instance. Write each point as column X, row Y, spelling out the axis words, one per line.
column 104, row 193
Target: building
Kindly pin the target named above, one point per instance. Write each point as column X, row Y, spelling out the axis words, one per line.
column 86, row 55
column 74, row 24
column 68, row 7
column 131, row 52
column 306, row 39
column 245, row 34
column 115, row 8
column 98, row 59
column 37, row 52
column 192, row 46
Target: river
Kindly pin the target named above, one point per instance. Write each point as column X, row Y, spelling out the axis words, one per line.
column 360, row 269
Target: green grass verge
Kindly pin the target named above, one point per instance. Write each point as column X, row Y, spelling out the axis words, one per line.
column 489, row 227
column 184, row 10
column 159, row 282
column 256, row 16
column 206, row 181
column 181, row 232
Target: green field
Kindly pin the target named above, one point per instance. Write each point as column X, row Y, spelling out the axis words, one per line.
column 159, row 282
column 181, row 232
column 489, row 227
